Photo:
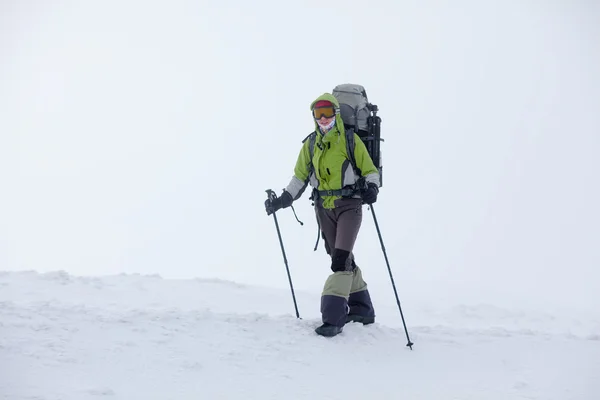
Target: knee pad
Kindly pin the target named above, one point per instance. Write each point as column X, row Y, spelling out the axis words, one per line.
column 339, row 260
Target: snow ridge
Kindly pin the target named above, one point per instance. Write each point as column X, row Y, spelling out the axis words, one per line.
column 144, row 337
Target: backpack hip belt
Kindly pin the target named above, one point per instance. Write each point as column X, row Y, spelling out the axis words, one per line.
column 347, row 192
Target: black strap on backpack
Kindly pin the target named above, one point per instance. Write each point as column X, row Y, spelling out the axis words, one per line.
column 312, row 138
column 350, row 150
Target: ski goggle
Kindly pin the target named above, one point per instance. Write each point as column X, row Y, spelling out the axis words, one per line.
column 327, row 112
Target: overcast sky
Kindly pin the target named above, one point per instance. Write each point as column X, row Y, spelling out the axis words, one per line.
column 140, row 137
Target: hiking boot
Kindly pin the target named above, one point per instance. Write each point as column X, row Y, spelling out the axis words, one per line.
column 328, row 330
column 360, row 318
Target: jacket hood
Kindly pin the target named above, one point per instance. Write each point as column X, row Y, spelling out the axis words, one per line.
column 339, row 123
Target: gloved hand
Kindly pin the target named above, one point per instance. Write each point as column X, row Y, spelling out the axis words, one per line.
column 369, row 196
column 283, row 201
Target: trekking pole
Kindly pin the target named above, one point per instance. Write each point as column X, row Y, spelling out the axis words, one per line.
column 409, row 344
column 271, row 195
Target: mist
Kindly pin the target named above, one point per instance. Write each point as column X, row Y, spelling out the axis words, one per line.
column 140, row 137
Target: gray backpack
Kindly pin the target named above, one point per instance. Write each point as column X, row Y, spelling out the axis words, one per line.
column 354, row 106
column 361, row 117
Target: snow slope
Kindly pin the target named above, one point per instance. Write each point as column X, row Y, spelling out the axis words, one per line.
column 145, row 337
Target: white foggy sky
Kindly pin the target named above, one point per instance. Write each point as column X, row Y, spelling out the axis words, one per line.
column 141, row 136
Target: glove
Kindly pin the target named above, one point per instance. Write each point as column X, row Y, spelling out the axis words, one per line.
column 369, row 196
column 283, row 201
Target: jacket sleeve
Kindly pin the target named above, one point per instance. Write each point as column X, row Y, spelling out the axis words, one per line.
column 300, row 179
column 364, row 162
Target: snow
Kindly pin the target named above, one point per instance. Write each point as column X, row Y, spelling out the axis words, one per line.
column 145, row 337
column 137, row 140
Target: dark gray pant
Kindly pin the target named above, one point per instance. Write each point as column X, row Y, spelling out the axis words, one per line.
column 340, row 226
column 345, row 289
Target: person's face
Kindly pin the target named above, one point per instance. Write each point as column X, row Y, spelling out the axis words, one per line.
column 324, row 121
column 324, row 115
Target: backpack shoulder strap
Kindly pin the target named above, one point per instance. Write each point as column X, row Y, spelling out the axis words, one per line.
column 350, row 150
column 308, row 136
column 312, row 138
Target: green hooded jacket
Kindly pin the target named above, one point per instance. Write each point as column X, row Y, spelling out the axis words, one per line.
column 331, row 164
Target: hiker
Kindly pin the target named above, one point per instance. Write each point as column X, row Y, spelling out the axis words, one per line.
column 339, row 190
